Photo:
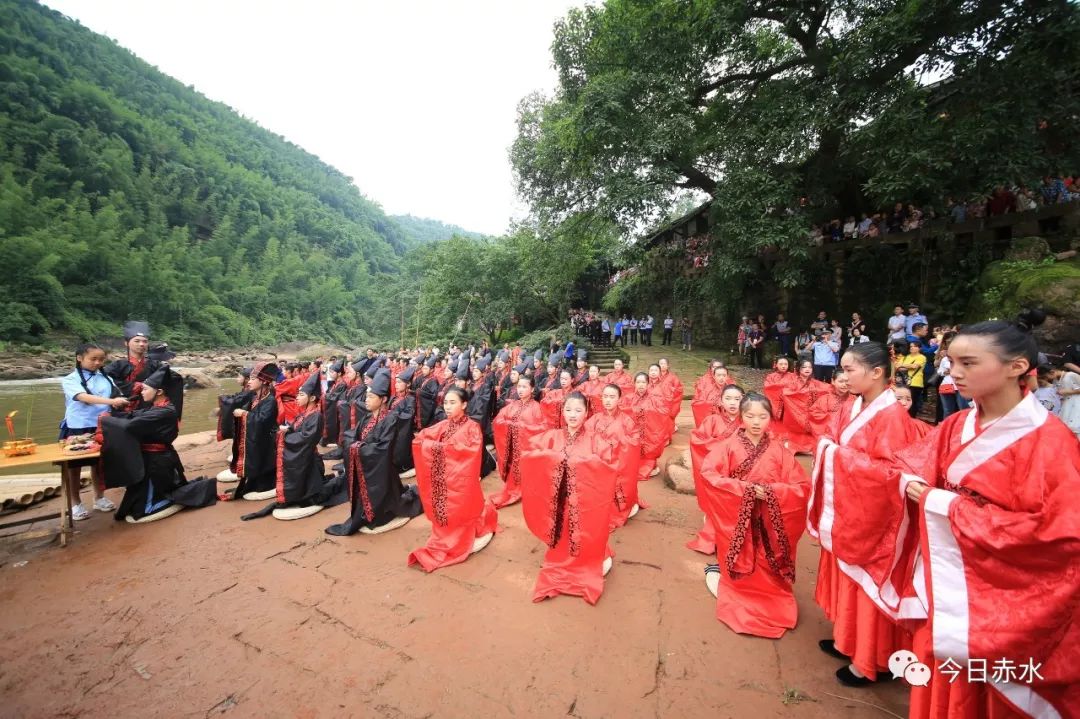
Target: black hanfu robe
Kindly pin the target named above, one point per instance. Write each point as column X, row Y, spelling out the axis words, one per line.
column 137, row 453
column 405, row 407
column 226, row 423
column 255, row 446
column 128, row 376
column 349, row 407
column 481, row 406
column 427, row 400
column 331, row 419
column 376, row 493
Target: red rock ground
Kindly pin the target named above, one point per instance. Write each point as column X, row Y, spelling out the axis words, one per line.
column 203, row 614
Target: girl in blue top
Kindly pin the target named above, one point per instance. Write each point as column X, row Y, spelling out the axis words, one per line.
column 87, row 394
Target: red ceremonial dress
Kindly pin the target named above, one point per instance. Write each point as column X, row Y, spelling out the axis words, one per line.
column 756, row 539
column 799, row 397
column 714, row 429
column 653, row 424
column 622, row 379
column 447, row 459
column 567, row 486
column 672, row 391
column 860, row 516
column 513, row 426
column 551, row 405
column 999, row 566
column 618, row 430
column 773, row 388
column 707, row 394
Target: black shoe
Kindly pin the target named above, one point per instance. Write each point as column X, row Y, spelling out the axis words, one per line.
column 341, row 530
column 846, row 677
column 829, row 647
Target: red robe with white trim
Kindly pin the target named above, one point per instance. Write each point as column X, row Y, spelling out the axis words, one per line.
column 447, row 459
column 713, row 430
column 859, row 513
column 567, row 486
column 1000, row 563
column 618, row 430
column 756, row 539
column 515, row 424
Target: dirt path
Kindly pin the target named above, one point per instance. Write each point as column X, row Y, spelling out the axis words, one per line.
column 203, row 614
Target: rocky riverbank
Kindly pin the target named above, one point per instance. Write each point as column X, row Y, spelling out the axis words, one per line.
column 201, row 368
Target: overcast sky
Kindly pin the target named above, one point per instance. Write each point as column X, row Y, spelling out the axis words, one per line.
column 414, row 100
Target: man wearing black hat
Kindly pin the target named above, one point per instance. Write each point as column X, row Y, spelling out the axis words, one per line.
column 128, row 373
column 427, row 392
column 255, row 437
column 335, row 392
column 138, row 454
column 403, row 404
column 379, row 502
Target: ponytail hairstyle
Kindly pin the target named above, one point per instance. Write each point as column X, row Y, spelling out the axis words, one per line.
column 872, row 355
column 79, row 352
column 1011, row 340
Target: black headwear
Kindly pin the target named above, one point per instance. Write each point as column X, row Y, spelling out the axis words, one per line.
column 539, row 354
column 266, row 371
column 406, row 374
column 582, row 355
column 556, row 358
column 380, row 383
column 136, row 328
column 520, row 369
column 245, row 372
column 338, row 366
column 158, row 379
column 160, row 353
column 372, row 369
column 504, row 356
column 312, row 386
column 432, row 361
column 483, row 362
column 463, row 368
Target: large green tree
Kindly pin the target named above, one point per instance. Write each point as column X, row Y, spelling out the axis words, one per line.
column 848, row 103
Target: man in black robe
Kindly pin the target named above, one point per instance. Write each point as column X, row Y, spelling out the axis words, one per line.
column 138, row 454
column 427, row 392
column 255, row 437
column 379, row 502
column 403, row 403
column 128, row 373
column 335, row 392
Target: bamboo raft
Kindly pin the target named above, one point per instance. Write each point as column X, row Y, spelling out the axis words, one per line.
column 22, row 491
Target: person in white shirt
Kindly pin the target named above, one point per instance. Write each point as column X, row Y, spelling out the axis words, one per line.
column 633, row 330
column 669, row 324
column 897, row 325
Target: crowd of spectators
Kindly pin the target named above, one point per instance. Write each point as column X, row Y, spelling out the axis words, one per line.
column 905, row 217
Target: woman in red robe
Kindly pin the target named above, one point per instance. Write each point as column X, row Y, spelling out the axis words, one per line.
column 707, row 394
column 614, row 425
column 650, row 415
column 799, row 397
column 568, row 483
column 673, row 387
column 999, row 529
column 706, row 380
column 754, row 492
column 553, row 397
column 776, row 382
column 716, row 427
column 857, row 512
column 619, row 376
column 592, row 388
column 447, row 459
column 824, row 412
column 515, row 424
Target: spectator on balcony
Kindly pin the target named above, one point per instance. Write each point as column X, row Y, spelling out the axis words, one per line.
column 864, row 225
column 1054, row 190
column 957, row 211
column 897, row 218
column 875, row 230
column 851, row 229
column 1025, row 200
column 913, row 220
column 1001, row 202
column 782, row 330
column 836, row 231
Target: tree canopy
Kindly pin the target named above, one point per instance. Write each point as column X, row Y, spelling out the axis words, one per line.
column 756, row 104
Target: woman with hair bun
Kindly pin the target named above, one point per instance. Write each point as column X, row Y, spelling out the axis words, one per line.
column 513, row 427
column 447, row 457
column 858, row 514
column 999, row 533
column 754, row 493
column 568, row 485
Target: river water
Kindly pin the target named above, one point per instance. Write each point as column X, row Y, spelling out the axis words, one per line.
column 40, row 403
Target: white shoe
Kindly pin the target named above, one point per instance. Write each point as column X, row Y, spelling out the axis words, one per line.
column 408, row 474
column 654, row 472
column 633, row 510
column 490, row 447
column 712, row 578
column 79, row 512
column 331, row 446
column 167, row 512
column 395, row 523
column 290, row 513
column 229, row 458
column 103, row 504
column 260, row 496
column 226, row 476
column 481, row 542
column 608, row 564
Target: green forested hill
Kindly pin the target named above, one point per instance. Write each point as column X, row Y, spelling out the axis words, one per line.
column 125, row 194
column 421, row 230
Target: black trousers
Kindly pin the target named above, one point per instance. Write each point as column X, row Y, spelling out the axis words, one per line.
column 756, row 360
column 633, row 336
column 824, row 372
column 667, row 336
